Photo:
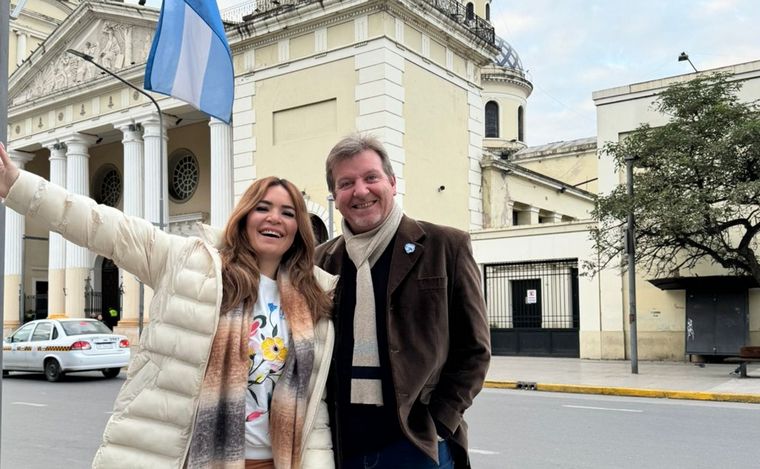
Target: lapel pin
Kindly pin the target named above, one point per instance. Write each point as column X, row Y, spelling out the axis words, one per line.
column 409, row 248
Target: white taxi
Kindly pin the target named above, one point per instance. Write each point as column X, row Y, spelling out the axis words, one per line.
column 58, row 346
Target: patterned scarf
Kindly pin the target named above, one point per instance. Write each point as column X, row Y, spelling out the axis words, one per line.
column 218, row 439
column 364, row 250
column 291, row 394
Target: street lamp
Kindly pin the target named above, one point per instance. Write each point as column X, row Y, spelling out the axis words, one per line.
column 330, row 209
column 89, row 58
column 630, row 248
column 684, row 57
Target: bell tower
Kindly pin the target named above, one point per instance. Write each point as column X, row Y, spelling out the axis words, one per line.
column 481, row 8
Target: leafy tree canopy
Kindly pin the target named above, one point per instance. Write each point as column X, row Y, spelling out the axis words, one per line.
column 696, row 184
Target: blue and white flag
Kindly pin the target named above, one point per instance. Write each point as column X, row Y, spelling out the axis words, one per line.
column 190, row 58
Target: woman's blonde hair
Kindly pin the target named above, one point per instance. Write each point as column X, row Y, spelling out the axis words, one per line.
column 240, row 268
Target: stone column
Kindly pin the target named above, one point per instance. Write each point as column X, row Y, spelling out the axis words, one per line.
column 14, row 254
column 133, row 205
column 20, row 47
column 56, row 244
column 528, row 216
column 77, row 257
column 155, row 145
column 221, row 172
column 155, row 165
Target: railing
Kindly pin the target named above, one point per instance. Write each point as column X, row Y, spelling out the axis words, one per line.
column 93, row 303
column 457, row 12
column 539, row 294
column 260, row 8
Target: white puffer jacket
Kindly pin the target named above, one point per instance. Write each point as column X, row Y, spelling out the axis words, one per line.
column 155, row 410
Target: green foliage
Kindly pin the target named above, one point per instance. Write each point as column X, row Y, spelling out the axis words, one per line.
column 696, row 183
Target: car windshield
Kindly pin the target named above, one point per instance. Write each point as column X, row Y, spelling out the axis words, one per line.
column 84, row 327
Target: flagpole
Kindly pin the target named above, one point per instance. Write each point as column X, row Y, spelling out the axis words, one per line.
column 161, row 224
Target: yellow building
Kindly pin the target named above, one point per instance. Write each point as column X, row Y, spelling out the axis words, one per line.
column 307, row 73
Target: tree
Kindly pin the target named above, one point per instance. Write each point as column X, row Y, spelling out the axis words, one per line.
column 696, row 184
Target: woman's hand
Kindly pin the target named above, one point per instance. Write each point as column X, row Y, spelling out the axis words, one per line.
column 8, row 172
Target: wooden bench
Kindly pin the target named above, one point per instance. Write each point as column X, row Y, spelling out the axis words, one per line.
column 748, row 354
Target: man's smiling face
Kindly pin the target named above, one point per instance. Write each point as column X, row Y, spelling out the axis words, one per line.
column 363, row 192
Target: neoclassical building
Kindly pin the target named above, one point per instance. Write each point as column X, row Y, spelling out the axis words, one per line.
column 419, row 74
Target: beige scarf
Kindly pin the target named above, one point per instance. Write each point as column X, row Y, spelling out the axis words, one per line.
column 364, row 250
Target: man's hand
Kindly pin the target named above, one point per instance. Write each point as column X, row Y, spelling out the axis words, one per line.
column 8, row 172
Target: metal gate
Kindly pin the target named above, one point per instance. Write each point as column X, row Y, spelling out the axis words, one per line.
column 533, row 308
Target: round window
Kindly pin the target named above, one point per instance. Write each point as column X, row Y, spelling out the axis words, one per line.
column 183, row 175
column 108, row 186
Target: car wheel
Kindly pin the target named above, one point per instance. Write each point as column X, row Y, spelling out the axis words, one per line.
column 111, row 372
column 53, row 371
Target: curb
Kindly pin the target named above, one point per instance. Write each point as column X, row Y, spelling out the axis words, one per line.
column 621, row 391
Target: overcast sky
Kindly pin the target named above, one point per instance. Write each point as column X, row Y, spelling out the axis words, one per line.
column 571, row 48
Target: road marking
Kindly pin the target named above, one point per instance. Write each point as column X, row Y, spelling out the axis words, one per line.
column 602, row 408
column 30, row 404
column 482, row 451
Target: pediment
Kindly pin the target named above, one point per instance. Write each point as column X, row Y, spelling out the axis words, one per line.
column 118, row 36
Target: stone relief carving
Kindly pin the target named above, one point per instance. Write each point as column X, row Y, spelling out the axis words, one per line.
column 113, row 45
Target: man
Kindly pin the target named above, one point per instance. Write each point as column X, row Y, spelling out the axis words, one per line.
column 412, row 341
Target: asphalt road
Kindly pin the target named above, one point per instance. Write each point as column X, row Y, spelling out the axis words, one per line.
column 52, row 425
column 537, row 430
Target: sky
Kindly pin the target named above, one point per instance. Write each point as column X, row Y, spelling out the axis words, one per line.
column 571, row 48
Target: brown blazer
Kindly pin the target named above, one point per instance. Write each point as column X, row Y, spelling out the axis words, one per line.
column 438, row 334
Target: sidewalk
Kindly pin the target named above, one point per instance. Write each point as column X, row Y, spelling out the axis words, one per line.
column 674, row 380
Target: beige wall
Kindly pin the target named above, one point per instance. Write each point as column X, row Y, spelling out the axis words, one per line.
column 435, row 114
column 297, row 124
column 572, row 169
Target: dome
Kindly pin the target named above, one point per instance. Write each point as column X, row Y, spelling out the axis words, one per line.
column 507, row 57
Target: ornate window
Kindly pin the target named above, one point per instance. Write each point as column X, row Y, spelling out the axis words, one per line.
column 470, row 14
column 184, row 175
column 492, row 119
column 108, row 186
column 488, row 12
column 520, row 124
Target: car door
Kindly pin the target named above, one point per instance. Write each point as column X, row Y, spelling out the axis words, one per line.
column 39, row 341
column 14, row 357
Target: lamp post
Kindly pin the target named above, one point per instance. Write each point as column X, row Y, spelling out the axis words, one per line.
column 330, row 202
column 684, row 57
column 630, row 248
column 5, row 12
column 161, row 226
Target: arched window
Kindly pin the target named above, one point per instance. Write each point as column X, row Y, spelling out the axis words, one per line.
column 520, row 124
column 492, row 119
column 319, row 228
column 488, row 12
column 470, row 15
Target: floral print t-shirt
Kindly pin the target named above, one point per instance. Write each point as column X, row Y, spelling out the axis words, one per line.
column 267, row 348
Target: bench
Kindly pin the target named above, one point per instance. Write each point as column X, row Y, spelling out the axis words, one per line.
column 748, row 354
column 742, row 369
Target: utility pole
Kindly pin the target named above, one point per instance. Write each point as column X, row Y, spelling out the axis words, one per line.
column 631, row 250
column 5, row 19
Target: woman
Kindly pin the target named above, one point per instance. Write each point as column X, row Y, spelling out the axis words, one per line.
column 231, row 370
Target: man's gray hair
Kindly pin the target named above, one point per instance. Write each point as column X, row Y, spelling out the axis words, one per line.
column 351, row 146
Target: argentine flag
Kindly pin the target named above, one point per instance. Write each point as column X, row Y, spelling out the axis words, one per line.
column 190, row 58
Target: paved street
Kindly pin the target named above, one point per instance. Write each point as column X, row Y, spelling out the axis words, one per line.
column 54, row 425
column 49, row 425
column 521, row 429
